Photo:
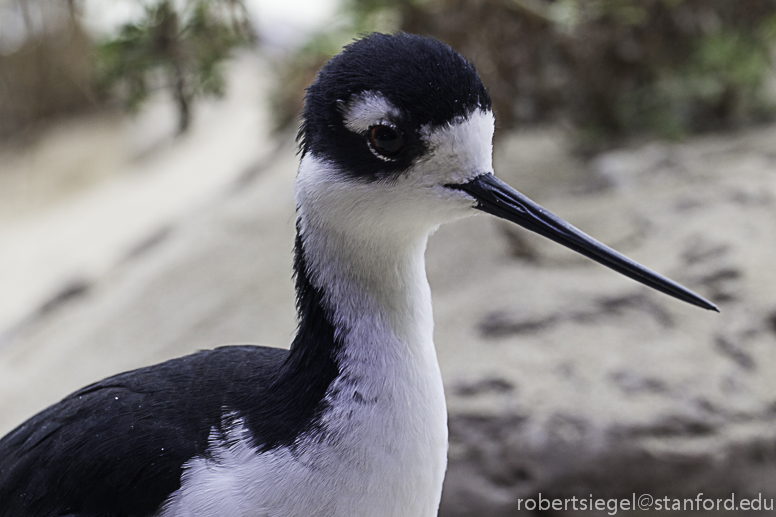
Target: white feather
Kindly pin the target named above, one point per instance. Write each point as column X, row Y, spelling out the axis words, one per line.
column 367, row 109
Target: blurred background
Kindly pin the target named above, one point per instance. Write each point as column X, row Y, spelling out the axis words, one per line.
column 147, row 160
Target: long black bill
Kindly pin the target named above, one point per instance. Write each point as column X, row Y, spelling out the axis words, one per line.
column 497, row 198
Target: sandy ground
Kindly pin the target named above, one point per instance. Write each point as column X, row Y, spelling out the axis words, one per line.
column 90, row 190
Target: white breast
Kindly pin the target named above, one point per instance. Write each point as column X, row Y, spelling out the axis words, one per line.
column 384, row 455
column 384, row 446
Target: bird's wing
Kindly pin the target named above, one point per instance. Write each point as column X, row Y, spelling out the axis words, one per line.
column 118, row 447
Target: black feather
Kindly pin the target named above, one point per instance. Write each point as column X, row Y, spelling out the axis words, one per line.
column 117, row 448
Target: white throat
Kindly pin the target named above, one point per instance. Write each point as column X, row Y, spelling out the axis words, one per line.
column 387, row 407
column 382, row 280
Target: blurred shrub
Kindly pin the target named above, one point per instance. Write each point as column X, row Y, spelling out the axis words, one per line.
column 49, row 66
column 610, row 67
column 45, row 64
column 176, row 45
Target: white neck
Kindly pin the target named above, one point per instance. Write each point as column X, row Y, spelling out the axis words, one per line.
column 377, row 279
column 385, row 448
column 387, row 408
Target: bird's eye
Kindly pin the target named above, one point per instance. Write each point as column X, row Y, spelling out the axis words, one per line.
column 386, row 140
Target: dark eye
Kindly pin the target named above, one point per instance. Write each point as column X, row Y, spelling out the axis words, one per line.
column 386, row 140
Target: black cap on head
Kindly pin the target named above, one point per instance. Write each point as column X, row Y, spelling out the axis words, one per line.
column 426, row 80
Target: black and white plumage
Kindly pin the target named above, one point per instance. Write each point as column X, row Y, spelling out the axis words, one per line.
column 396, row 140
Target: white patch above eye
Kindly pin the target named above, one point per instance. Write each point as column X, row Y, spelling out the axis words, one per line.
column 367, row 109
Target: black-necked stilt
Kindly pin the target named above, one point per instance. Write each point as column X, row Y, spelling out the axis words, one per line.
column 351, row 421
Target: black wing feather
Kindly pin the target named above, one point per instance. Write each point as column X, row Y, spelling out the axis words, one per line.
column 117, row 447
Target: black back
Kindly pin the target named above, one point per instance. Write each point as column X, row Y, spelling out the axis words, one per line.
column 117, row 448
column 428, row 81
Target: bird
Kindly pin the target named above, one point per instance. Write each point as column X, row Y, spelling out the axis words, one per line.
column 395, row 140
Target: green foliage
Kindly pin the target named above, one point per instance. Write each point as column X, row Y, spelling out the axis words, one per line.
column 720, row 84
column 612, row 68
column 176, row 45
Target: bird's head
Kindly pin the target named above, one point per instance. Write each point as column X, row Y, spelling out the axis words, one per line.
column 396, row 139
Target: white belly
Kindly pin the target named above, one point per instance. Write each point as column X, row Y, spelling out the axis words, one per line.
column 383, row 453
